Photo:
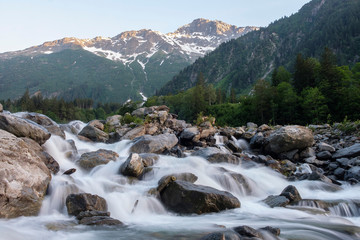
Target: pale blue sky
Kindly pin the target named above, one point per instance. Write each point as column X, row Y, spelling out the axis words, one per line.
column 25, row 23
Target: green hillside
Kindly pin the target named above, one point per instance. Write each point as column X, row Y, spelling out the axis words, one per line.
column 240, row 63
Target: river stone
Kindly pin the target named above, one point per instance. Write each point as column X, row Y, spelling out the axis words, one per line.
column 133, row 166
column 94, row 134
column 353, row 172
column 184, row 197
column 24, row 178
column 81, row 202
column 324, row 155
column 24, row 128
column 48, row 160
column 90, row 160
column 223, row 235
column 100, row 220
column 246, row 231
column 291, row 193
column 307, row 153
column 272, row 230
column 134, row 133
column 276, row 201
column 326, row 147
column 46, row 122
column 289, row 138
column 215, row 155
column 92, row 214
column 154, row 144
column 149, row 159
column 352, row 151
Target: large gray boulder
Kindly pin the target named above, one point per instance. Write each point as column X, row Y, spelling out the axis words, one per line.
column 24, row 178
column 134, row 133
column 90, row 160
column 352, row 151
column 154, row 144
column 24, row 128
column 82, row 202
column 289, row 138
column 46, row 122
column 133, row 166
column 94, row 134
column 187, row 198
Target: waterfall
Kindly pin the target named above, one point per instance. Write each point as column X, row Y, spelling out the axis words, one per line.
column 145, row 216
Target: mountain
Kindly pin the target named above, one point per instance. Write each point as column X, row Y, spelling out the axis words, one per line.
column 110, row 69
column 239, row 63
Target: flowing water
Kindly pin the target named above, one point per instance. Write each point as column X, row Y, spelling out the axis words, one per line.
column 148, row 219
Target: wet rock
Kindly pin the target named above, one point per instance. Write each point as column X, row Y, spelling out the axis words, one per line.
column 69, row 171
column 90, row 160
column 24, row 178
column 154, row 144
column 223, row 235
column 289, row 138
column 77, row 203
column 1, row 108
column 233, row 147
column 246, row 231
column 184, row 197
column 215, row 155
column 352, row 151
column 134, row 133
column 325, row 147
column 187, row 177
column 94, row 134
column 24, row 128
column 291, row 193
column 164, row 181
column 257, row 141
column 324, row 155
column 92, row 214
column 352, row 173
column 339, row 173
column 149, row 159
column 49, row 161
column 276, row 201
column 272, row 230
column 133, row 166
column 46, row 122
column 99, row 220
column 318, row 176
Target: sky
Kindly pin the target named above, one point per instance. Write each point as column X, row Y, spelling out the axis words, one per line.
column 26, row 23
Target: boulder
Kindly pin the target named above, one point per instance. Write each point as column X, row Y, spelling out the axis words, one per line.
column 94, row 134
column 272, row 230
column 185, row 197
column 307, row 152
column 289, row 138
column 81, row 202
column 90, row 160
column 100, row 220
column 24, row 178
column 134, row 133
column 47, row 159
column 154, row 144
column 46, row 122
column 189, row 135
column 149, row 159
column 176, row 125
column 291, row 193
column 24, row 128
column 133, row 166
column 97, row 124
column 352, row 151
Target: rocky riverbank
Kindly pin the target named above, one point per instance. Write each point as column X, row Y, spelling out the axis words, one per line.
column 315, row 153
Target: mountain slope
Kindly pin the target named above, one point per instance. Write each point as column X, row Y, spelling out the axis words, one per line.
column 110, row 69
column 239, row 63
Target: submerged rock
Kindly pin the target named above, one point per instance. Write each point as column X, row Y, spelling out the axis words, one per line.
column 24, row 128
column 246, row 231
column 184, row 197
column 223, row 235
column 24, row 177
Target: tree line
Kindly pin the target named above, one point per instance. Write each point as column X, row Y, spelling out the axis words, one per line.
column 314, row 91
